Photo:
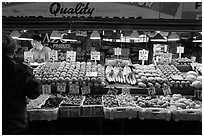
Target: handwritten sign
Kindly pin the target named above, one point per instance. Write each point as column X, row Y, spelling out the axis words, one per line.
column 28, row 57
column 151, row 91
column 180, row 49
column 85, row 90
column 117, row 51
column 166, row 90
column 74, row 89
column 143, row 54
column 53, row 55
column 46, row 89
column 61, row 87
column 95, row 55
column 71, row 56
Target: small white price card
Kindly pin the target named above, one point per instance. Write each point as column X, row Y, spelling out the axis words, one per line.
column 91, row 74
column 53, row 55
column 180, row 49
column 143, row 54
column 126, row 90
column 166, row 90
column 95, row 55
column 46, row 89
column 151, row 91
column 117, row 51
column 71, row 56
column 28, row 57
column 85, row 90
column 74, row 89
column 61, row 87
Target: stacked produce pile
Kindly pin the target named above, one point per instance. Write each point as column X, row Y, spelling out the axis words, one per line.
column 174, row 76
column 174, row 102
column 74, row 72
column 110, row 101
column 53, row 101
column 195, row 79
column 181, row 62
column 125, row 100
column 93, row 100
column 72, row 100
column 37, row 102
column 198, row 66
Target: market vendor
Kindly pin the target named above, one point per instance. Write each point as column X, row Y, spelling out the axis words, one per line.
column 196, row 53
column 40, row 52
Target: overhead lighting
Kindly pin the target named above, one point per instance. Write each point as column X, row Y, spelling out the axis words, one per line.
column 24, row 36
column 198, row 38
column 143, row 38
column 134, row 35
column 173, row 37
column 114, row 35
column 55, row 35
column 158, row 38
column 15, row 34
column 69, row 36
column 95, row 35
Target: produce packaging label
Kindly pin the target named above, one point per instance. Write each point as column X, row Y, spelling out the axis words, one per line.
column 151, row 91
column 117, row 51
column 46, row 89
column 166, row 90
column 180, row 49
column 53, row 55
column 143, row 54
column 28, row 57
column 74, row 89
column 71, row 56
column 95, row 55
column 85, row 90
column 61, row 87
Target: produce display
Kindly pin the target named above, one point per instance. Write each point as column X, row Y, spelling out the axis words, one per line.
column 70, row 72
column 182, row 61
column 37, row 102
column 93, row 100
column 110, row 101
column 195, row 79
column 175, row 102
column 72, row 100
column 125, row 100
column 52, row 102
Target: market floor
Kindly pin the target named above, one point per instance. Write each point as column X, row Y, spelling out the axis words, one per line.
column 101, row 126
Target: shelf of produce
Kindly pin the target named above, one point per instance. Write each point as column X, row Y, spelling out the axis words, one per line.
column 184, row 68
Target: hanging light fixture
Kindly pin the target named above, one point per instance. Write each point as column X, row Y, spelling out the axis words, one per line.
column 69, row 36
column 173, row 37
column 114, row 35
column 15, row 34
column 95, row 35
column 24, row 36
column 198, row 38
column 134, row 35
column 158, row 38
column 55, row 35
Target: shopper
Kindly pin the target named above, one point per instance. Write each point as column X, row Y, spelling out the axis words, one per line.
column 18, row 83
column 40, row 52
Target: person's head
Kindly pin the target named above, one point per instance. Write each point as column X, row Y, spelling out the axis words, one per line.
column 9, row 45
column 37, row 42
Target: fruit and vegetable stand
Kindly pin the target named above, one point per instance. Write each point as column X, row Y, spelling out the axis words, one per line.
column 116, row 92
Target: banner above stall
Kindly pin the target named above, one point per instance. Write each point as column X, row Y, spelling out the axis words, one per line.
column 154, row 10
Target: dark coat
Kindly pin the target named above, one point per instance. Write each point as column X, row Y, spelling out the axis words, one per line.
column 17, row 82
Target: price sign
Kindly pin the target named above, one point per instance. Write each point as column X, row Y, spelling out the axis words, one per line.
column 143, row 54
column 46, row 89
column 53, row 55
column 167, row 58
column 112, row 91
column 117, row 51
column 28, row 57
column 151, row 91
column 91, row 74
column 71, row 56
column 95, row 55
column 166, row 90
column 61, row 87
column 126, row 90
column 74, row 89
column 198, row 94
column 180, row 49
column 85, row 90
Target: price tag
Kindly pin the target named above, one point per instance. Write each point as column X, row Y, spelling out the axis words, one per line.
column 166, row 90
column 85, row 90
column 53, row 55
column 91, row 74
column 61, row 87
column 28, row 57
column 126, row 90
column 117, row 51
column 71, row 56
column 95, row 55
column 74, row 89
column 198, row 94
column 46, row 89
column 151, row 91
column 143, row 54
column 180, row 49
column 112, row 91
